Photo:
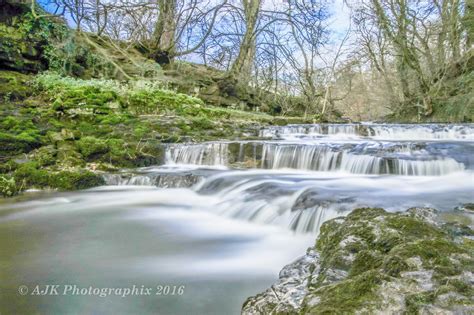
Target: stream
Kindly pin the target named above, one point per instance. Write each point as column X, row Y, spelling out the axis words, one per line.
column 217, row 222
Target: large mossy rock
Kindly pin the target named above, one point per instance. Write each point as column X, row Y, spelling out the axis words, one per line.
column 21, row 45
column 373, row 261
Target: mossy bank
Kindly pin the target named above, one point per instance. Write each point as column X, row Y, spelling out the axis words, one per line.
column 373, row 261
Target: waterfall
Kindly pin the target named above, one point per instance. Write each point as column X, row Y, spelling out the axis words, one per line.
column 124, row 179
column 421, row 132
column 330, row 159
column 212, row 153
column 351, row 130
column 162, row 180
column 410, row 159
column 399, row 132
column 267, row 201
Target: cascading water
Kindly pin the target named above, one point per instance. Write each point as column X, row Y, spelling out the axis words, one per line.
column 247, row 209
column 364, row 158
column 215, row 153
column 397, row 132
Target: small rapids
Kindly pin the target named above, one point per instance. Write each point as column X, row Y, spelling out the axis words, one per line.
column 398, row 132
column 410, row 158
column 221, row 218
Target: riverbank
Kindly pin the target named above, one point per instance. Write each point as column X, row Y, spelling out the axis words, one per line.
column 55, row 127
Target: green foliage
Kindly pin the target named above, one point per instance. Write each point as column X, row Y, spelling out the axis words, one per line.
column 155, row 101
column 8, row 187
column 23, row 129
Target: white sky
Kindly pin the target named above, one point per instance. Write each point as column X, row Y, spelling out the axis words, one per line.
column 340, row 17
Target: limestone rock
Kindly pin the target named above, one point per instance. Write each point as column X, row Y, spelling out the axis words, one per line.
column 375, row 262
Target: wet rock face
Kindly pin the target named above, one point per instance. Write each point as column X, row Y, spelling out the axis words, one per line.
column 374, row 261
column 287, row 294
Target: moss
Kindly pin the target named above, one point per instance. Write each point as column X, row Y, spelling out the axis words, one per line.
column 8, row 167
column 414, row 302
column 31, row 176
column 413, row 227
column 431, row 251
column 14, row 144
column 364, row 261
column 393, row 265
column 90, row 146
column 67, row 180
column 14, row 86
column 347, row 296
column 160, row 101
column 371, row 242
column 45, row 156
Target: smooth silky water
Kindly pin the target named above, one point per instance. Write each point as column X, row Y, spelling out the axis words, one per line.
column 242, row 210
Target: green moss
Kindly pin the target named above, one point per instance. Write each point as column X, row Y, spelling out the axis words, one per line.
column 414, row 302
column 14, row 144
column 30, row 176
column 413, row 227
column 374, row 244
column 8, row 167
column 90, row 146
column 431, row 251
column 45, row 156
column 365, row 260
column 347, row 296
column 393, row 265
column 67, row 180
column 155, row 101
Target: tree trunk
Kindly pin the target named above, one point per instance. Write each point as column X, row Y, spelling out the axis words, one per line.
column 164, row 33
column 468, row 23
column 242, row 66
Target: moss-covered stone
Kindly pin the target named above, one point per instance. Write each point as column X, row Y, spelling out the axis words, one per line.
column 29, row 175
column 90, row 146
column 14, row 144
column 374, row 261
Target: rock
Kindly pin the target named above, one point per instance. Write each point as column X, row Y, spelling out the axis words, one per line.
column 287, row 294
column 467, row 207
column 373, row 261
column 46, row 155
column 67, row 134
column 426, row 214
column 55, row 137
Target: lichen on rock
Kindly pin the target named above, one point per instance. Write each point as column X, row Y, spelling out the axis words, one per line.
column 373, row 261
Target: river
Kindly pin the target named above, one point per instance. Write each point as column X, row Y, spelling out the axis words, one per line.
column 218, row 220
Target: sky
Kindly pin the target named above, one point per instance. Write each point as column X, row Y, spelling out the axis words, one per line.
column 340, row 17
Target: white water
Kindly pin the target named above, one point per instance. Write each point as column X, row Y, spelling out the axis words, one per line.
column 367, row 157
column 398, row 132
column 249, row 208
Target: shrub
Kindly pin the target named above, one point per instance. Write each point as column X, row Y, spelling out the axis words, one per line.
column 8, row 186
